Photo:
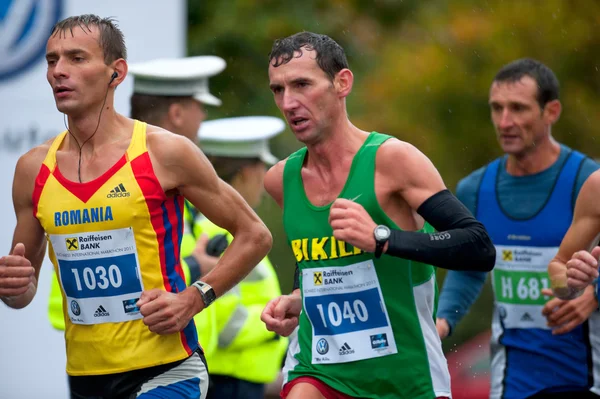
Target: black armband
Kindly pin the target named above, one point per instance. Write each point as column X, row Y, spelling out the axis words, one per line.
column 194, row 266
column 461, row 243
column 296, row 278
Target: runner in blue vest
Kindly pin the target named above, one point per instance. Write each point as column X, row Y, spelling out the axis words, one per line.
column 541, row 346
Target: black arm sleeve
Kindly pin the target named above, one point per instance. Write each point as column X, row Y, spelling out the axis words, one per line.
column 296, row 278
column 462, row 243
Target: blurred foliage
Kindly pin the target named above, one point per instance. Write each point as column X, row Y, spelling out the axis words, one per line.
column 422, row 73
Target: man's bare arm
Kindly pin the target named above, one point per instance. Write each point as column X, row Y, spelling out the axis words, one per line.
column 406, row 178
column 461, row 243
column 20, row 270
column 186, row 168
column 578, row 241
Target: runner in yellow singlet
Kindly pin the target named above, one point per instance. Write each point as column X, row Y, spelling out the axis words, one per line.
column 130, row 331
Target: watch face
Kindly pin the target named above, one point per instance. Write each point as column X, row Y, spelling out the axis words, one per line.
column 205, row 288
column 382, row 233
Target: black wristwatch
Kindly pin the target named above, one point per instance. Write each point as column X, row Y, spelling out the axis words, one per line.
column 382, row 235
column 206, row 292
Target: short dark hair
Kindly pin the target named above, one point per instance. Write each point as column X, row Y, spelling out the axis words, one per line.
column 152, row 109
column 547, row 83
column 331, row 57
column 111, row 38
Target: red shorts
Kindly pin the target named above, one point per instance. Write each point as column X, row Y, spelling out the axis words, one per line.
column 327, row 391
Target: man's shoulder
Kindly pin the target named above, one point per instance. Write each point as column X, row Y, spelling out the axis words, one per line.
column 32, row 160
column 392, row 143
column 396, row 151
column 594, row 180
column 589, row 165
column 588, row 168
column 590, row 191
column 277, row 169
column 28, row 167
column 587, row 161
column 297, row 157
column 165, row 145
column 156, row 133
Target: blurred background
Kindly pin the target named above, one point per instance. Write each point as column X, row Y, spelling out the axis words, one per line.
column 422, row 73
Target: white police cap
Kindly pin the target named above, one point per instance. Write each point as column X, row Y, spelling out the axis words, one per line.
column 177, row 77
column 241, row 137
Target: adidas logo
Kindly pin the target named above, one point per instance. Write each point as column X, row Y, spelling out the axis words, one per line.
column 346, row 349
column 101, row 312
column 526, row 317
column 118, row 192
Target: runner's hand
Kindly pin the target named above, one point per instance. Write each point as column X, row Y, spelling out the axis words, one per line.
column 443, row 328
column 165, row 312
column 564, row 315
column 281, row 314
column 582, row 268
column 17, row 275
column 352, row 224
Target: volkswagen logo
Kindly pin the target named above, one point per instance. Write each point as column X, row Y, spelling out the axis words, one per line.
column 25, row 26
column 75, row 308
column 322, row 346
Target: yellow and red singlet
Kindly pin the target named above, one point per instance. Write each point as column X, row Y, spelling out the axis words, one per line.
column 109, row 240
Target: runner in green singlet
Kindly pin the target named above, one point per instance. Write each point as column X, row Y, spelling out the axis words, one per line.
column 359, row 212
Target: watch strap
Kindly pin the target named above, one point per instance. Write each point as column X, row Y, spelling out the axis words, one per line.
column 206, row 292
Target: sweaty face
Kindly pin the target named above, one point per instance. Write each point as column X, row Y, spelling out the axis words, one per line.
column 517, row 116
column 305, row 96
column 76, row 70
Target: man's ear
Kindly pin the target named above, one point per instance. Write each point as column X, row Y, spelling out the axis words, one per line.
column 343, row 82
column 552, row 111
column 176, row 115
column 120, row 68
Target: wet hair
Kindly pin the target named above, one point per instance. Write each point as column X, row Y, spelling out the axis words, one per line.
column 547, row 83
column 111, row 38
column 152, row 109
column 228, row 167
column 331, row 57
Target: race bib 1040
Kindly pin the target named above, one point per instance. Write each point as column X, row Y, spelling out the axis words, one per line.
column 347, row 313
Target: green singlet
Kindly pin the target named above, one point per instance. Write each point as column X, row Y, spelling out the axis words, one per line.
column 367, row 326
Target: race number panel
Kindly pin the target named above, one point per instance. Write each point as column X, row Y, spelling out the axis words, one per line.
column 347, row 313
column 100, row 275
column 518, row 279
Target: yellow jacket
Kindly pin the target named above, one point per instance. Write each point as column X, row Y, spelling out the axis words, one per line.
column 246, row 349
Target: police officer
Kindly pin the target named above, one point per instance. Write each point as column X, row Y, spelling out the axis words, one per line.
column 248, row 356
